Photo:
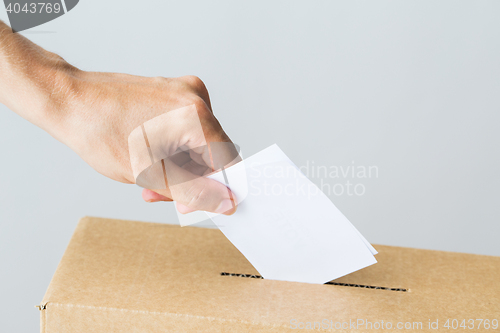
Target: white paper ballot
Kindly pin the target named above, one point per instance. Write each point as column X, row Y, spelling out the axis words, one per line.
column 285, row 226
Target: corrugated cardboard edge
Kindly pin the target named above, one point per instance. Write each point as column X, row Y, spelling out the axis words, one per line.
column 43, row 319
column 42, row 307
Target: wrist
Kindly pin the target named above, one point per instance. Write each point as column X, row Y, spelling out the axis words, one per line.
column 57, row 87
column 45, row 97
column 34, row 83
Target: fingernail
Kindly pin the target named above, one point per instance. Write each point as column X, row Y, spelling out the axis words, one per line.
column 225, row 205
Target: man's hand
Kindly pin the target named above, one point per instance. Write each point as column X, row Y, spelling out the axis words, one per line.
column 94, row 113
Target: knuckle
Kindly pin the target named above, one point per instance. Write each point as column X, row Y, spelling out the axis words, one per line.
column 193, row 80
column 195, row 83
column 199, row 103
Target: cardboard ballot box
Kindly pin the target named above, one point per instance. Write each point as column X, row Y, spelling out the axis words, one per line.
column 123, row 276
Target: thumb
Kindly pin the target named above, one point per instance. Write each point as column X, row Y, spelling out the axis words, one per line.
column 203, row 194
column 193, row 192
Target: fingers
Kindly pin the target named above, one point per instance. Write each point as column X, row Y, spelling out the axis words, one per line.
column 189, row 143
column 198, row 193
column 150, row 196
column 220, row 151
column 196, row 168
column 201, row 193
column 183, row 209
column 204, row 194
column 186, row 185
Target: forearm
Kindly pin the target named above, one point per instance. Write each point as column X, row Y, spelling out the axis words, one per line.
column 33, row 82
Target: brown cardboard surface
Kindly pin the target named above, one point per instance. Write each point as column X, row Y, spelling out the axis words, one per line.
column 124, row 276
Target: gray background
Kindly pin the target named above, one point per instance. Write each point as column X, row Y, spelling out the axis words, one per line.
column 412, row 87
